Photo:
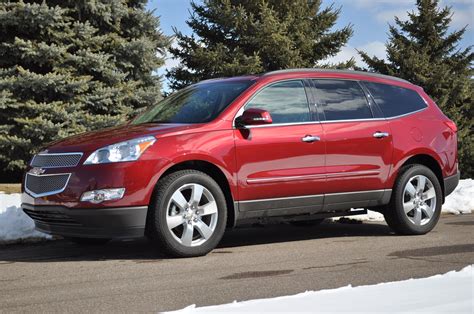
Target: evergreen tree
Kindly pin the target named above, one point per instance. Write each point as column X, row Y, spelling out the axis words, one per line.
column 71, row 66
column 424, row 52
column 234, row 37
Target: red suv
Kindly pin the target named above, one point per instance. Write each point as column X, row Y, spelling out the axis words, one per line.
column 302, row 145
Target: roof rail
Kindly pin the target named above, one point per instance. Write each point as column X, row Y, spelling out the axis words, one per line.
column 318, row 70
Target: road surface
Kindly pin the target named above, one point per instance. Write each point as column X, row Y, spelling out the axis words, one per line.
column 259, row 262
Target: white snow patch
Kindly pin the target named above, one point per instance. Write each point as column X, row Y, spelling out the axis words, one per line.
column 460, row 201
column 370, row 216
column 448, row 293
column 15, row 225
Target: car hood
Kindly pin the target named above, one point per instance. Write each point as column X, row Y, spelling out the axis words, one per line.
column 90, row 141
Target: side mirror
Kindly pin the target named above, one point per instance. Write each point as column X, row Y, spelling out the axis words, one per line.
column 254, row 116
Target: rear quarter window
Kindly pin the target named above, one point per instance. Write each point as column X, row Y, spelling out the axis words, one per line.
column 394, row 100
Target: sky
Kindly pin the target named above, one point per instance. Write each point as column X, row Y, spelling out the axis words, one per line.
column 370, row 19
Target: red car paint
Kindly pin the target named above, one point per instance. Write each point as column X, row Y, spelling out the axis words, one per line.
column 264, row 163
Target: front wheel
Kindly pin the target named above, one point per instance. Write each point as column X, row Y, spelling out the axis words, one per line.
column 188, row 214
column 416, row 201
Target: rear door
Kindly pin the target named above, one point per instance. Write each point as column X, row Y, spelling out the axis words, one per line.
column 358, row 143
column 281, row 165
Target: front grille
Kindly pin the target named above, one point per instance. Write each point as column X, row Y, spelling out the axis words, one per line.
column 56, row 160
column 42, row 185
column 50, row 217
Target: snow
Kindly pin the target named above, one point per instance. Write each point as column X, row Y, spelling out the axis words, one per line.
column 461, row 201
column 370, row 216
column 16, row 225
column 449, row 293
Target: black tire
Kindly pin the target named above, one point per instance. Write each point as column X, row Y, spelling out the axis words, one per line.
column 157, row 229
column 88, row 241
column 394, row 213
column 307, row 223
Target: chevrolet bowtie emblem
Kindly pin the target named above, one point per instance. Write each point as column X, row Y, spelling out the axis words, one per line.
column 36, row 171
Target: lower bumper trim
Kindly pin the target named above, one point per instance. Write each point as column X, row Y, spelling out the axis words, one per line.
column 118, row 222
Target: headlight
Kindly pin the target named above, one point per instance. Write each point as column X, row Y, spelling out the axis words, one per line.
column 124, row 151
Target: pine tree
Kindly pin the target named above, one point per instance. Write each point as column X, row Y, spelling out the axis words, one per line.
column 71, row 66
column 235, row 37
column 424, row 52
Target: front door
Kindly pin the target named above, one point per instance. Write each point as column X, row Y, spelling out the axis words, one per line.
column 280, row 166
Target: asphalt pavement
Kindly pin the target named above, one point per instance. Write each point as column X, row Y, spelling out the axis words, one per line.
column 258, row 262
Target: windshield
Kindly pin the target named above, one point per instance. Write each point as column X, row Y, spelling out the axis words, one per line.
column 198, row 103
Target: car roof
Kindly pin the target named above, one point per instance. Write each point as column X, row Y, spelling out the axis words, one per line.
column 230, row 79
column 335, row 71
column 306, row 71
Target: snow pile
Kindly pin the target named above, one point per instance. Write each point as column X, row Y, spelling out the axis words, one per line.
column 14, row 223
column 449, row 293
column 461, row 201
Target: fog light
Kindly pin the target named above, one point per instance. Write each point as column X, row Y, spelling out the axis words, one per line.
column 98, row 196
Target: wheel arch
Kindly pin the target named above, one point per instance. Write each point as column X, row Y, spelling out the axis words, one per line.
column 428, row 161
column 216, row 173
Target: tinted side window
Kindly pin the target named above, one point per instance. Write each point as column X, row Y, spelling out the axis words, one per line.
column 342, row 100
column 286, row 102
column 394, row 100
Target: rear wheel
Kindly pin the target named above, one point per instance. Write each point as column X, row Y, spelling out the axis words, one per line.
column 188, row 214
column 416, row 201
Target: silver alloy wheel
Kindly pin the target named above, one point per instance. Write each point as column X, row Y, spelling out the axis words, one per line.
column 419, row 200
column 192, row 214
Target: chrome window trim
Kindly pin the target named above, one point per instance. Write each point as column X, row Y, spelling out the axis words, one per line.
column 280, row 124
column 376, row 119
column 407, row 114
column 50, row 192
column 57, row 154
column 354, row 120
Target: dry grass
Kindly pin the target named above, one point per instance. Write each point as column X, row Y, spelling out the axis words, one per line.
column 10, row 187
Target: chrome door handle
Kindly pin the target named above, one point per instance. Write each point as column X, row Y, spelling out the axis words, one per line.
column 381, row 134
column 310, row 139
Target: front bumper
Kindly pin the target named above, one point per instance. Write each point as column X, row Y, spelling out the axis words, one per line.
column 450, row 183
column 138, row 178
column 116, row 222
